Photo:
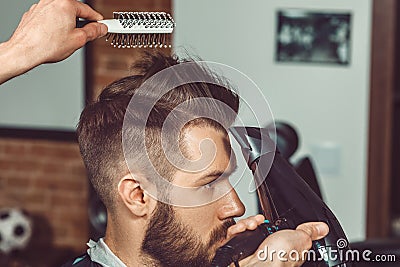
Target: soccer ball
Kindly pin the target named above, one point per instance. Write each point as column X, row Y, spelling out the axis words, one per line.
column 15, row 229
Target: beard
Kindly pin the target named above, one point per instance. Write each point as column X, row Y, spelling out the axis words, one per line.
column 169, row 243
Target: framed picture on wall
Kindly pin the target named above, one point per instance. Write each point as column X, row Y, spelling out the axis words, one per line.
column 312, row 36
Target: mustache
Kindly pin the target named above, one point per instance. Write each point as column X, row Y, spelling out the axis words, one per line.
column 220, row 232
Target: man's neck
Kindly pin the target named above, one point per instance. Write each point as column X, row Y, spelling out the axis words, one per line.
column 125, row 240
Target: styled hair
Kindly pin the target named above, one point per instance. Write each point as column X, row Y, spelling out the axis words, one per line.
column 101, row 122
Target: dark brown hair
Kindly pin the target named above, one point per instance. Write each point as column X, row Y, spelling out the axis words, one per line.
column 100, row 126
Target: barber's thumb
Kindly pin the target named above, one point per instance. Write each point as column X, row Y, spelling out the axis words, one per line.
column 94, row 30
column 316, row 230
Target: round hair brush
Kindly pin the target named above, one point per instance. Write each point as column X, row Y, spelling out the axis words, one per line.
column 138, row 29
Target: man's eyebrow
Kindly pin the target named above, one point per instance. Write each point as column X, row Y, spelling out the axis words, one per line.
column 218, row 173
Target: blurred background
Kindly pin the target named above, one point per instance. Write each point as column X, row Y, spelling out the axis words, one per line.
column 327, row 68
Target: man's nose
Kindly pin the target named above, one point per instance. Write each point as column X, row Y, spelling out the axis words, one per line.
column 231, row 206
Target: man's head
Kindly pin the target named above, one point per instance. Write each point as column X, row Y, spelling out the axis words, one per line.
column 174, row 236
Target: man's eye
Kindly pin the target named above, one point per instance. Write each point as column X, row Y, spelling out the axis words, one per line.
column 208, row 186
column 216, row 183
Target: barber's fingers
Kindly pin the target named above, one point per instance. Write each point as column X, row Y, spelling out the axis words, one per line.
column 89, row 32
column 86, row 12
column 249, row 223
column 315, row 230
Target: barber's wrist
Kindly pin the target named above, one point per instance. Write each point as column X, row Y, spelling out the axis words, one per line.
column 16, row 59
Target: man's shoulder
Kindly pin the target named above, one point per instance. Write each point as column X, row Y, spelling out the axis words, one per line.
column 82, row 261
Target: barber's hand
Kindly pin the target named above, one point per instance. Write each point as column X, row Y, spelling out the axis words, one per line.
column 47, row 33
column 49, row 29
column 249, row 223
column 299, row 240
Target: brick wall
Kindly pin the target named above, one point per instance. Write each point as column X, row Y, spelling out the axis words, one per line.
column 47, row 178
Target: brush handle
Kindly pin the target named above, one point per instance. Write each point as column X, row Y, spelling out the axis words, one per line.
column 83, row 23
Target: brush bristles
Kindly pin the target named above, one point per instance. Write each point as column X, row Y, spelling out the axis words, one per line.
column 144, row 40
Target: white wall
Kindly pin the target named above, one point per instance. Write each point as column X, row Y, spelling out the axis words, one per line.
column 48, row 97
column 327, row 103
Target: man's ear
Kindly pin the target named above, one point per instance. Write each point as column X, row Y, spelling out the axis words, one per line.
column 133, row 196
